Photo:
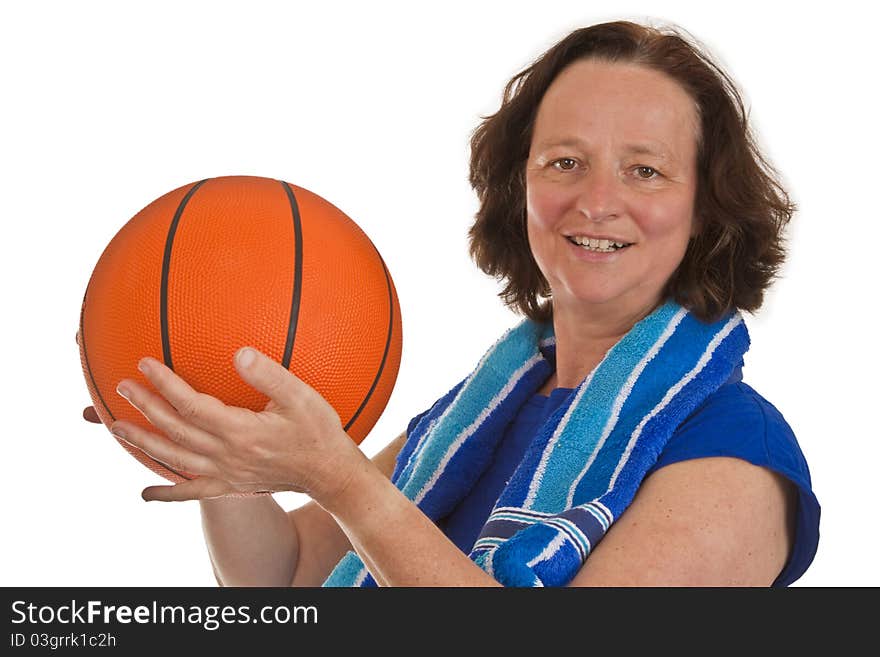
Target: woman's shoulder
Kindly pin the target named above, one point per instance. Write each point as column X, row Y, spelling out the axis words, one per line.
column 737, row 421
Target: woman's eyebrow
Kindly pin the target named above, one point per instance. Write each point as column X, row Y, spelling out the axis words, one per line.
column 657, row 150
column 640, row 148
column 560, row 141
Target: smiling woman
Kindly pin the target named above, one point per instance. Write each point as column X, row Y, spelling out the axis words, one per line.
column 614, row 159
column 634, row 179
column 676, row 118
column 608, row 438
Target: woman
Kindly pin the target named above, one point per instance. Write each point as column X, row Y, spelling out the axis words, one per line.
column 630, row 215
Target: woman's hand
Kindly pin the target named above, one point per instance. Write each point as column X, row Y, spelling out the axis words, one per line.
column 296, row 443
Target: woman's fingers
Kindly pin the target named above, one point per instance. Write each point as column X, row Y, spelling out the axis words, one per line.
column 201, row 410
column 177, row 458
column 195, row 489
column 202, row 488
column 167, row 418
column 269, row 377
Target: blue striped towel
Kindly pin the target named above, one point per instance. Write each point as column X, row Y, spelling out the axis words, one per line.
column 583, row 468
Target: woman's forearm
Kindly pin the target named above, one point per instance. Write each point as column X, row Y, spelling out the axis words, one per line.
column 251, row 541
column 400, row 545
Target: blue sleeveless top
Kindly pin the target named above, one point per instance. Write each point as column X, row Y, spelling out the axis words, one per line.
column 733, row 421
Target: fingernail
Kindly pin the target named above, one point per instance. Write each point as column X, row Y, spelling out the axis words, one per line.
column 124, row 391
column 118, row 432
column 246, row 356
column 143, row 366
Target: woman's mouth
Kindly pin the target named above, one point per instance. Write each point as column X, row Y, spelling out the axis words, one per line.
column 598, row 245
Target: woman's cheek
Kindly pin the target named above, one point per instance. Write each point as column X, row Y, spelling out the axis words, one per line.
column 666, row 220
column 540, row 241
column 545, row 204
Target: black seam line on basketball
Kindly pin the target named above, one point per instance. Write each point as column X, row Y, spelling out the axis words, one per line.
column 166, row 263
column 82, row 337
column 163, row 295
column 297, row 276
column 387, row 343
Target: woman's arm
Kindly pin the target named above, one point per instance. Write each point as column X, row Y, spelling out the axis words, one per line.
column 398, row 543
column 714, row 521
column 704, row 522
column 252, row 541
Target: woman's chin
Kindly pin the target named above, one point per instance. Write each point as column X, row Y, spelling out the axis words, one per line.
column 592, row 300
column 586, row 299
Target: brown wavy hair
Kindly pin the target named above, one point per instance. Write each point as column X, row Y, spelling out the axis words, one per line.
column 740, row 205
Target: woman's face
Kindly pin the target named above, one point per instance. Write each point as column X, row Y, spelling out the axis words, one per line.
column 613, row 157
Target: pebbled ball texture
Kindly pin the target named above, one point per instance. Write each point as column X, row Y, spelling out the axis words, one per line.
column 242, row 260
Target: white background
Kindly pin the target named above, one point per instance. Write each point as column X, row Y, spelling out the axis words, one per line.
column 106, row 106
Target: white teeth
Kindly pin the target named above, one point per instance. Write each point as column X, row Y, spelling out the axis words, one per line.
column 604, row 246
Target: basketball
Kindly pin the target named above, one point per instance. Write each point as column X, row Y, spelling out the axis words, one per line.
column 231, row 261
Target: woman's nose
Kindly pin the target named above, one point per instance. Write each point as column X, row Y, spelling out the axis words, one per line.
column 600, row 194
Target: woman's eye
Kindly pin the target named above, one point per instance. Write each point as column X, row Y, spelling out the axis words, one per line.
column 564, row 164
column 651, row 172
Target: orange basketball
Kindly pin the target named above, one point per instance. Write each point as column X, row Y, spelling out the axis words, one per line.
column 241, row 260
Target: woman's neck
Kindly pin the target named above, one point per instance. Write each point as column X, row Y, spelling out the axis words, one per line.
column 583, row 339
